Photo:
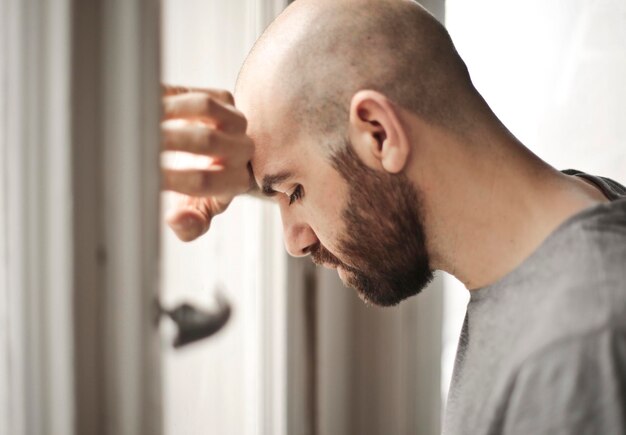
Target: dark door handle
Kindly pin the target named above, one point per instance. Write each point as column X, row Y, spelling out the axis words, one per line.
column 195, row 324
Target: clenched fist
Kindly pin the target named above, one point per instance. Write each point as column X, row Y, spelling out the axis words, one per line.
column 204, row 122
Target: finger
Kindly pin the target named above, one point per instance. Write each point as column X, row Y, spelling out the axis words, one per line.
column 190, row 219
column 203, row 106
column 218, row 94
column 188, row 224
column 201, row 139
column 192, row 216
column 204, row 183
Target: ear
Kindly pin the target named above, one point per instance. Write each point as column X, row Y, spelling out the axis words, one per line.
column 376, row 132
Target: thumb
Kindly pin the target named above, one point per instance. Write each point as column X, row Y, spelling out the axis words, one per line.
column 190, row 218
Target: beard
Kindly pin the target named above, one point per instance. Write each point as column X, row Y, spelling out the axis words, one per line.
column 384, row 241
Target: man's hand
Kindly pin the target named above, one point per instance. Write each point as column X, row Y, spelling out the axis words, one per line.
column 204, row 122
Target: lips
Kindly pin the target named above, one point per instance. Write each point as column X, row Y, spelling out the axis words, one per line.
column 322, row 257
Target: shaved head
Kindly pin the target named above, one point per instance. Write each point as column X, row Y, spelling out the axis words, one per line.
column 323, row 52
column 333, row 91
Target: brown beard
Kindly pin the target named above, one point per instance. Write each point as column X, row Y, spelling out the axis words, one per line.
column 384, row 240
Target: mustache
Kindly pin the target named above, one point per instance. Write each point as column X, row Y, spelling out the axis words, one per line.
column 321, row 256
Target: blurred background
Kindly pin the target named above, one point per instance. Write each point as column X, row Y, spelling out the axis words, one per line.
column 85, row 257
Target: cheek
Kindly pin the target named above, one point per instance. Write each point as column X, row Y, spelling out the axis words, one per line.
column 327, row 223
column 327, row 194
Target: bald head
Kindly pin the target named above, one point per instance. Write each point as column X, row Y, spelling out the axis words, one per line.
column 320, row 53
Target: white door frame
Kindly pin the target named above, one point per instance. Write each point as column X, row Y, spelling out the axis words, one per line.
column 79, row 148
column 36, row 380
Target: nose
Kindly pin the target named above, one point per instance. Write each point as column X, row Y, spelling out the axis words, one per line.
column 299, row 236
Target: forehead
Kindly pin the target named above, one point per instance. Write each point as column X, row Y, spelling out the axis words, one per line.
column 278, row 153
column 278, row 143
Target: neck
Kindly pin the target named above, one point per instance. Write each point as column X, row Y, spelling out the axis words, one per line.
column 491, row 205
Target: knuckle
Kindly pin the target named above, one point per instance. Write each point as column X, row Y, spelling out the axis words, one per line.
column 241, row 121
column 208, row 139
column 168, row 106
column 209, row 104
column 227, row 96
column 166, row 139
column 204, row 181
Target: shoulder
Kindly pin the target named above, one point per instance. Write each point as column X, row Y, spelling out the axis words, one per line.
column 576, row 385
column 586, row 287
column 579, row 284
column 578, row 353
column 611, row 188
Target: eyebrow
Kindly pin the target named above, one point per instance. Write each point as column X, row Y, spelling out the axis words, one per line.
column 267, row 186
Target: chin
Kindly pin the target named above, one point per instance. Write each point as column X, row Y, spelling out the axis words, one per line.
column 346, row 279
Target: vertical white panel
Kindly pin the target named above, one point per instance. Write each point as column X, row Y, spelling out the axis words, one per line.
column 56, row 310
column 5, row 396
column 77, row 333
column 4, row 336
column 36, row 238
column 13, row 280
column 233, row 382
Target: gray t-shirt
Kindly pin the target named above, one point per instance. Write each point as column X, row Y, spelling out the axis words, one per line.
column 543, row 350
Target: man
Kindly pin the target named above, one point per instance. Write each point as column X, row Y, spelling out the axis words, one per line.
column 387, row 164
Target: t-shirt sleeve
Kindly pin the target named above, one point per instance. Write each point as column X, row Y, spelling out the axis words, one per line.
column 577, row 386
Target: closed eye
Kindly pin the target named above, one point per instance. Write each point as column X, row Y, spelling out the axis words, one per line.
column 296, row 195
